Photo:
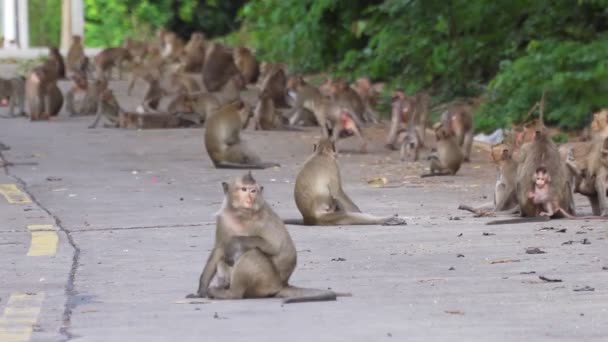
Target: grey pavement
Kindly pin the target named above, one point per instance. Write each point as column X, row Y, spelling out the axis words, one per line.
column 134, row 212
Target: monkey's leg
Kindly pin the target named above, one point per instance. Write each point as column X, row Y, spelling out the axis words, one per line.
column 600, row 188
column 131, row 84
column 595, row 205
column 467, row 145
column 437, row 168
column 69, row 103
column 11, row 106
column 223, row 274
column 96, row 121
column 343, row 201
column 294, row 294
column 253, row 276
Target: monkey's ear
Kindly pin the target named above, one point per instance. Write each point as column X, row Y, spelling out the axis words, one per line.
column 225, row 187
column 261, row 189
column 314, row 148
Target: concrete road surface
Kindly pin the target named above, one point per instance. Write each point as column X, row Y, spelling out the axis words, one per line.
column 103, row 232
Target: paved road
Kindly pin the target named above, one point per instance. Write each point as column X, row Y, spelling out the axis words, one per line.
column 133, row 215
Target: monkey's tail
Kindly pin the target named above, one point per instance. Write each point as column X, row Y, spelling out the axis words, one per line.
column 293, row 294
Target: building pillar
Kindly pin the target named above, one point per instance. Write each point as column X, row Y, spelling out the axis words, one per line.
column 9, row 22
column 23, row 27
column 72, row 21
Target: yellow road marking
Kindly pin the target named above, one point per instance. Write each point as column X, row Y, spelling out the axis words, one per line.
column 44, row 240
column 13, row 195
column 20, row 315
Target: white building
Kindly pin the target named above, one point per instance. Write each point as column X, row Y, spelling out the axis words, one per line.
column 15, row 22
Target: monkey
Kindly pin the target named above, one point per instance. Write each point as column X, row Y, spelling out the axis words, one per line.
column 194, row 53
column 76, row 60
column 13, row 91
column 266, row 117
column 137, row 49
column 544, row 196
column 319, row 195
column 108, row 109
column 55, row 55
column 369, row 95
column 183, row 82
column 303, row 92
column 173, row 45
column 154, row 59
column 410, row 142
column 592, row 179
column 205, row 104
column 459, row 120
column 542, row 151
column 247, row 64
column 599, row 125
column 43, row 97
column 348, row 98
column 148, row 120
column 140, row 70
column 408, row 111
column 111, row 57
column 449, row 156
column 231, row 90
column 219, row 67
column 82, row 98
column 253, row 254
column 505, row 197
column 223, row 142
column 153, row 94
column 274, row 82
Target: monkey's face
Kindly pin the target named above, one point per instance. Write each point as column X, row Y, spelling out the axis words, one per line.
column 541, row 179
column 245, row 196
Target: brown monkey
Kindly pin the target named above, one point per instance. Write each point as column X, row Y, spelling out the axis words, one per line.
column 459, row 120
column 108, row 109
column 184, row 82
column 348, row 98
column 219, row 67
column 505, row 197
column 402, row 112
column 592, row 180
column 319, row 196
column 154, row 93
column 204, row 105
column 82, row 98
column 13, row 91
column 154, row 59
column 43, row 97
column 194, row 53
column 231, row 90
column 368, row 93
column 275, row 84
column 542, row 152
column 253, row 255
column 266, row 117
column 76, row 59
column 55, row 55
column 449, row 156
column 544, row 196
column 109, row 58
column 137, row 49
column 247, row 64
column 599, row 125
column 223, row 142
column 141, row 71
column 173, row 46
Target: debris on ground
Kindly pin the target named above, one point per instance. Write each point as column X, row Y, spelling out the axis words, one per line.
column 504, row 261
column 549, row 280
column 584, row 289
column 534, row 250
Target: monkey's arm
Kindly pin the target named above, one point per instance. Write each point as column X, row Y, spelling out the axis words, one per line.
column 98, row 116
column 600, row 188
column 392, row 133
column 69, row 102
column 241, row 244
column 209, row 272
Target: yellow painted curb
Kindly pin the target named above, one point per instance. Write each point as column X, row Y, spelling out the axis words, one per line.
column 13, row 194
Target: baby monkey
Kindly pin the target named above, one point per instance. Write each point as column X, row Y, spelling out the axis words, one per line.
column 544, row 196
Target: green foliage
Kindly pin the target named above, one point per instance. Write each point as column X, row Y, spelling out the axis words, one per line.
column 573, row 74
column 45, row 22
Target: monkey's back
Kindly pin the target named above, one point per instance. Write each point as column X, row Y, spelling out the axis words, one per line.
column 223, row 125
column 312, row 186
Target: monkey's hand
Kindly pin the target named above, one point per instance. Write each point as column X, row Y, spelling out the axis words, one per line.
column 394, row 221
column 233, row 250
column 202, row 293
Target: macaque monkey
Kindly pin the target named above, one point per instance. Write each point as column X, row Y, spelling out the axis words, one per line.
column 253, row 255
column 231, row 90
column 154, row 60
column 109, row 58
column 194, row 53
column 406, row 112
column 82, row 98
column 274, row 82
column 205, row 104
column 173, row 45
column 12, row 91
column 348, row 98
column 219, row 67
column 319, row 196
column 542, row 152
column 266, row 117
column 137, row 49
column 43, row 97
column 184, row 82
column 55, row 55
column 153, row 94
column 247, row 64
column 141, row 71
column 107, row 109
column 460, row 121
column 76, row 59
column 223, row 142
column 369, row 94
column 449, row 157
column 544, row 195
column 592, row 176
column 505, row 197
column 599, row 125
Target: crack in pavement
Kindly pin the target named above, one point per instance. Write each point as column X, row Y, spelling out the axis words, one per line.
column 83, row 230
column 70, row 291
